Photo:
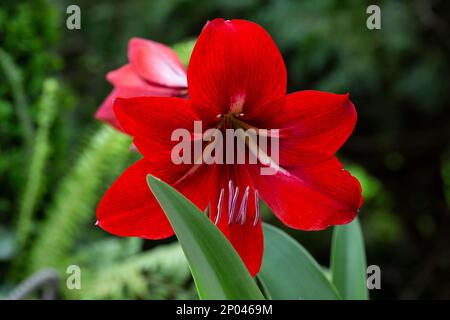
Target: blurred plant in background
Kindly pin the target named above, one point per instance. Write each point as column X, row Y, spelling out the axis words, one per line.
column 56, row 161
column 53, row 171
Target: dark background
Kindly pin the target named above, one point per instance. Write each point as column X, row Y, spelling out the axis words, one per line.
column 398, row 78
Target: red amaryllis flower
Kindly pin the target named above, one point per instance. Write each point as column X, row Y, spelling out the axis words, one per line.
column 237, row 79
column 154, row 70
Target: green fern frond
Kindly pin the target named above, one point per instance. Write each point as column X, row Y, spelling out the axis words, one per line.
column 155, row 274
column 73, row 206
column 106, row 251
column 41, row 150
column 14, row 77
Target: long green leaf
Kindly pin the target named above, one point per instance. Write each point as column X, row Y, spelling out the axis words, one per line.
column 74, row 202
column 217, row 270
column 348, row 262
column 289, row 272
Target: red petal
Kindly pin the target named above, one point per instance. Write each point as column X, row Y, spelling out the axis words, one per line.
column 152, row 120
column 235, row 66
column 125, row 76
column 311, row 197
column 105, row 112
column 313, row 126
column 128, row 84
column 129, row 208
column 156, row 63
column 198, row 184
column 246, row 238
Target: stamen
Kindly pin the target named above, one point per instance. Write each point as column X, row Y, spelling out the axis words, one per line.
column 243, row 209
column 230, row 195
column 255, row 221
column 219, row 207
column 219, row 115
column 233, row 205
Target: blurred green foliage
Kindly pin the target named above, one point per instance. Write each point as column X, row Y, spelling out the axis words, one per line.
column 53, row 171
column 397, row 77
column 27, row 30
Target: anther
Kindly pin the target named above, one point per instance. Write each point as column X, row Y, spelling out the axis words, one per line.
column 243, row 209
column 233, row 205
column 230, row 196
column 219, row 207
column 255, row 221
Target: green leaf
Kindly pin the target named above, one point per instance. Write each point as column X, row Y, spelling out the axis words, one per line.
column 217, row 269
column 288, row 271
column 348, row 262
